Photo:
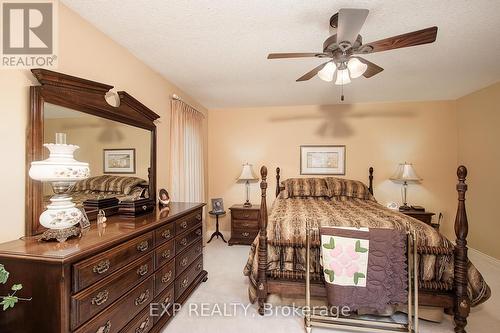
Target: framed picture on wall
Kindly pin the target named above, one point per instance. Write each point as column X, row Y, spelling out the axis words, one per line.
column 119, row 160
column 322, row 160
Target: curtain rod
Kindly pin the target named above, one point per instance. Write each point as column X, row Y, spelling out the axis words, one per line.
column 178, row 98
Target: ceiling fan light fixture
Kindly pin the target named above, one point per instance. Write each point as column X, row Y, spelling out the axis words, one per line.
column 343, row 77
column 356, row 67
column 327, row 73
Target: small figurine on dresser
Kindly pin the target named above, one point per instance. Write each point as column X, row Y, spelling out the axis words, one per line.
column 163, row 198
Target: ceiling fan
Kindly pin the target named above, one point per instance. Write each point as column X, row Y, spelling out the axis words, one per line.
column 344, row 47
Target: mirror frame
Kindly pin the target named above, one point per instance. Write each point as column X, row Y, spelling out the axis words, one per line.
column 85, row 96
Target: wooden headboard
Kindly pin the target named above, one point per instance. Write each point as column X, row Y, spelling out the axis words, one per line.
column 280, row 188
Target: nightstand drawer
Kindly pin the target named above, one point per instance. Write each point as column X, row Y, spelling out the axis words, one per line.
column 246, row 234
column 242, row 214
column 245, row 224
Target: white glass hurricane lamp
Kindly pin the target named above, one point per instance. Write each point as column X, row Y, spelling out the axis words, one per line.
column 61, row 170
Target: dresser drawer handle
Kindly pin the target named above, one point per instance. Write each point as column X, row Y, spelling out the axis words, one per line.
column 246, row 216
column 165, row 278
column 142, row 298
column 198, row 232
column 245, row 234
column 144, row 207
column 102, row 267
column 143, row 270
column 106, row 328
column 183, row 241
column 246, row 224
column 143, row 246
column 166, row 301
column 143, row 327
column 198, row 217
column 199, row 266
column 184, row 283
column 100, row 298
column 184, row 225
column 184, row 262
column 165, row 254
column 198, row 249
column 166, row 234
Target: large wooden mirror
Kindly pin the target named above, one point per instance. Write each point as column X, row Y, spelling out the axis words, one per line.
column 118, row 142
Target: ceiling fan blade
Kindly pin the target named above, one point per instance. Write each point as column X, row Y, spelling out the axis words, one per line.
column 419, row 37
column 295, row 55
column 372, row 68
column 350, row 22
column 311, row 73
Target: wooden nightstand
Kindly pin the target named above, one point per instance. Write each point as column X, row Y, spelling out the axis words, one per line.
column 425, row 217
column 244, row 224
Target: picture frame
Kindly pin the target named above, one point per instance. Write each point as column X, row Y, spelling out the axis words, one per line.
column 163, row 197
column 217, row 205
column 84, row 221
column 119, row 160
column 322, row 159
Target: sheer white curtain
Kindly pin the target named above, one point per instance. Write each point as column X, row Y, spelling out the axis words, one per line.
column 186, row 153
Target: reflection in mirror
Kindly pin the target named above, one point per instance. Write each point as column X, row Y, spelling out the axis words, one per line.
column 119, row 155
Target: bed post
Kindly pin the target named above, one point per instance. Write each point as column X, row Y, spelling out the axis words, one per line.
column 277, row 181
column 262, row 250
column 462, row 301
column 370, row 180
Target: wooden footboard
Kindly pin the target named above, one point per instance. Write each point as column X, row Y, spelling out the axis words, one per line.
column 432, row 292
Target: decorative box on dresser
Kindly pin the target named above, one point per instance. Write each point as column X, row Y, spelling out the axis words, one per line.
column 106, row 280
column 244, row 224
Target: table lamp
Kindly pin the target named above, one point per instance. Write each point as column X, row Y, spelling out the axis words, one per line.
column 61, row 170
column 405, row 173
column 247, row 175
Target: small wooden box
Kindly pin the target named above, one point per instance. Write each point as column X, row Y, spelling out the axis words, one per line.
column 134, row 208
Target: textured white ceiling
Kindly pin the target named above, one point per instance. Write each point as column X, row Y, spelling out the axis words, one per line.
column 216, row 49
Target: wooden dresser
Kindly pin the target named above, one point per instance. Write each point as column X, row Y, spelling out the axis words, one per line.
column 244, row 224
column 105, row 281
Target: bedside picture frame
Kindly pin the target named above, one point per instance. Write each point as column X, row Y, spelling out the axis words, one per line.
column 119, row 160
column 217, row 205
column 322, row 159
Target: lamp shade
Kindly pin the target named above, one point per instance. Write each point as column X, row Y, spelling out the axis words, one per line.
column 61, row 165
column 247, row 173
column 343, row 77
column 405, row 173
column 356, row 67
column 326, row 74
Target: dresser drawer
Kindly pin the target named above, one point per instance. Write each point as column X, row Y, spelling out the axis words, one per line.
column 96, row 298
column 185, row 259
column 96, row 268
column 115, row 317
column 188, row 222
column 164, row 277
column 142, row 323
column 245, row 224
column 164, row 303
column 246, row 234
column 165, row 233
column 164, row 253
column 241, row 214
column 187, row 277
column 183, row 241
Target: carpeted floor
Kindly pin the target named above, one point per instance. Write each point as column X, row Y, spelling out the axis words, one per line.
column 221, row 304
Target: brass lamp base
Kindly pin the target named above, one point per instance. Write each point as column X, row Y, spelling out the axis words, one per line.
column 60, row 235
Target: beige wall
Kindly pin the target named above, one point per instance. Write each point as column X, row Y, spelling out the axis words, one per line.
column 86, row 52
column 379, row 135
column 479, row 150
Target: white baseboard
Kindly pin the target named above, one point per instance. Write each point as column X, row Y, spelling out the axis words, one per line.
column 492, row 260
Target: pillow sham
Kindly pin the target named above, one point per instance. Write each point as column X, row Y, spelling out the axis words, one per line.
column 339, row 187
column 305, row 187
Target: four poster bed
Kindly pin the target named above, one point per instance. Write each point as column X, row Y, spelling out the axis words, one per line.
column 276, row 263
